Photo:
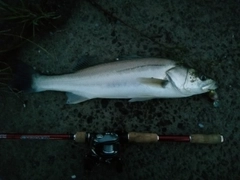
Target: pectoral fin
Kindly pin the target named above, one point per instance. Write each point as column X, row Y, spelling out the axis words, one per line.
column 154, row 81
column 74, row 98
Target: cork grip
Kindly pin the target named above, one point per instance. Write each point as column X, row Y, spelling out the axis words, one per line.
column 207, row 139
column 142, row 137
column 80, row 137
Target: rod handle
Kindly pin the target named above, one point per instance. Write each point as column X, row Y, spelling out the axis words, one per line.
column 142, row 137
column 137, row 137
column 206, row 138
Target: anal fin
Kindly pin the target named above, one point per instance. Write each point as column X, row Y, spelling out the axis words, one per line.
column 74, row 98
column 139, row 99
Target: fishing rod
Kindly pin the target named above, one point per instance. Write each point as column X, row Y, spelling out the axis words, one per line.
column 105, row 147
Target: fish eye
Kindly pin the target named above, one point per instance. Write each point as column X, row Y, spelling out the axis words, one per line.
column 203, row 77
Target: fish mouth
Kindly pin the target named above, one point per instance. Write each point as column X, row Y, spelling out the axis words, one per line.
column 211, row 85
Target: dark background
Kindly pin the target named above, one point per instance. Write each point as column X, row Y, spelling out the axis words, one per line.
column 203, row 34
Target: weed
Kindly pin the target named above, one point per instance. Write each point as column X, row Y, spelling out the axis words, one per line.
column 5, row 77
column 25, row 16
column 21, row 20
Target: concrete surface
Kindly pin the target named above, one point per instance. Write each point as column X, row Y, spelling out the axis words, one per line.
column 203, row 34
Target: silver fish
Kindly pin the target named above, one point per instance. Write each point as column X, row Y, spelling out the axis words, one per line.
column 137, row 80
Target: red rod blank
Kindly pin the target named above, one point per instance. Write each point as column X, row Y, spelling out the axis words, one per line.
column 36, row 136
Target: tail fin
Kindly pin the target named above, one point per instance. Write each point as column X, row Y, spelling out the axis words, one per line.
column 23, row 77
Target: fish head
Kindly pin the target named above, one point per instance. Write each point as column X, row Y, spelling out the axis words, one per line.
column 189, row 82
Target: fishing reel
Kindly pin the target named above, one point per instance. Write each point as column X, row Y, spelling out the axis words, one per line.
column 104, row 148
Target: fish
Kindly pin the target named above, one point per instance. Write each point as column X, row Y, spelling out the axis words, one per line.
column 136, row 79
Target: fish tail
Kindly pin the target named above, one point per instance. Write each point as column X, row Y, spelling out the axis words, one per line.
column 23, row 78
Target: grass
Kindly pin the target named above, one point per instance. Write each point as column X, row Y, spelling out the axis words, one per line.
column 26, row 40
column 25, row 16
column 6, row 90
column 5, row 77
column 21, row 21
